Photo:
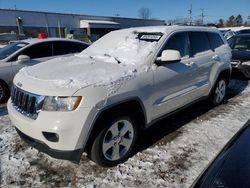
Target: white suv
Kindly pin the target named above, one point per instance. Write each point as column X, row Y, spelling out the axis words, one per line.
column 99, row 100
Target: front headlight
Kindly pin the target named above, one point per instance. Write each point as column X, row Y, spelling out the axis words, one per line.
column 61, row 103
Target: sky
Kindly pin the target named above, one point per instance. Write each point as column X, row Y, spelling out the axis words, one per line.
column 160, row 9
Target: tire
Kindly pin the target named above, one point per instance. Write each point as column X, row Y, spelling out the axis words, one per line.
column 4, row 92
column 115, row 142
column 219, row 92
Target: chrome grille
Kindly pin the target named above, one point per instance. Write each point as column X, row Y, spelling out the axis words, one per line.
column 26, row 103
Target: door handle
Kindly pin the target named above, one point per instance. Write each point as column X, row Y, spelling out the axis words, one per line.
column 190, row 64
column 216, row 58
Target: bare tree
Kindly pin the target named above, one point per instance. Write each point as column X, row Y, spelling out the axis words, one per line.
column 144, row 13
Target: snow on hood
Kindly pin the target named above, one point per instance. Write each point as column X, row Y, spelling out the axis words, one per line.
column 74, row 72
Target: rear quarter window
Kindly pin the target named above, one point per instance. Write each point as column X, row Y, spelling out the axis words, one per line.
column 215, row 40
column 198, row 42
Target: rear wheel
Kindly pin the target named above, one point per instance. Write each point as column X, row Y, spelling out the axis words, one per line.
column 4, row 92
column 219, row 92
column 115, row 142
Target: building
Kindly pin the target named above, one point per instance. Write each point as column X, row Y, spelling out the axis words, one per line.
column 31, row 23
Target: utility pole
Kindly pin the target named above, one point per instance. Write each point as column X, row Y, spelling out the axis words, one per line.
column 190, row 11
column 202, row 16
column 59, row 28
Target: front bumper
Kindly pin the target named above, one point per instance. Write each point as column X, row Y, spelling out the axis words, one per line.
column 74, row 156
column 72, row 128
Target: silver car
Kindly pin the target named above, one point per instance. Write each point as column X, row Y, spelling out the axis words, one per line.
column 29, row 52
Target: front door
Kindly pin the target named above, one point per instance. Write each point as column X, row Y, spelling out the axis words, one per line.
column 174, row 82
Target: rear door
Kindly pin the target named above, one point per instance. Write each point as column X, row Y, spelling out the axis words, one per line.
column 67, row 47
column 221, row 52
column 202, row 56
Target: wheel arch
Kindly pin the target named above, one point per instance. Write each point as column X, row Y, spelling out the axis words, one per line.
column 5, row 85
column 133, row 106
column 226, row 74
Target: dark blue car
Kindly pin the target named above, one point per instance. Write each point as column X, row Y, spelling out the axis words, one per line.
column 231, row 168
column 240, row 45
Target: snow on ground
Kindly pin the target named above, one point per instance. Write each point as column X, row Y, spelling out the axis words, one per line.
column 172, row 153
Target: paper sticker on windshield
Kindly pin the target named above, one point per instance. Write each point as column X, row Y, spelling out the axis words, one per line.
column 150, row 36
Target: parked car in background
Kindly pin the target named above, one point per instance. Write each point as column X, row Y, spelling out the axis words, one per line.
column 28, row 52
column 6, row 38
column 100, row 100
column 229, row 32
column 240, row 45
column 231, row 167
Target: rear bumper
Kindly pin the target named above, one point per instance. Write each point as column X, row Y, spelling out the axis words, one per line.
column 73, row 156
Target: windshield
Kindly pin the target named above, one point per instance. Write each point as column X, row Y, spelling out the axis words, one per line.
column 239, row 42
column 10, row 49
column 124, row 46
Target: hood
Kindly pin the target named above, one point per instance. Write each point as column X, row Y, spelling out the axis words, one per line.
column 64, row 76
column 241, row 55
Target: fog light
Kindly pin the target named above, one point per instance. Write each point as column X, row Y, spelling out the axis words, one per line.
column 52, row 137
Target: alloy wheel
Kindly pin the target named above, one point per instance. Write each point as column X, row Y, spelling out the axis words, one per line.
column 220, row 91
column 118, row 140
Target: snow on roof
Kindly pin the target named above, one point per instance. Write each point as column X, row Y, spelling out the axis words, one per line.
column 235, row 28
column 127, row 47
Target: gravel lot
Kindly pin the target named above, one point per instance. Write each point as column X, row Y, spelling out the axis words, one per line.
column 172, row 153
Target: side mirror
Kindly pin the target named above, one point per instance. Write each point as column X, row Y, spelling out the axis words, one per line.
column 169, row 56
column 23, row 58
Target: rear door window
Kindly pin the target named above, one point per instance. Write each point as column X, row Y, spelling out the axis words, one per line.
column 178, row 41
column 64, row 47
column 198, row 42
column 215, row 40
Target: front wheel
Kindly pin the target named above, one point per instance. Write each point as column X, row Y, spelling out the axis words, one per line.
column 219, row 92
column 115, row 142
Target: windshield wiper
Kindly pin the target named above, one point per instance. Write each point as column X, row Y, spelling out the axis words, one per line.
column 108, row 55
